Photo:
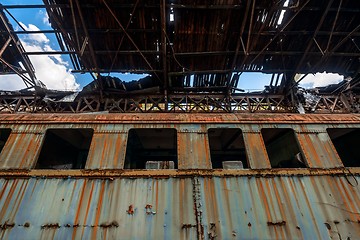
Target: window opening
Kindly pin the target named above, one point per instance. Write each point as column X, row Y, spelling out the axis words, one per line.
column 282, row 148
column 65, row 149
column 151, row 148
column 345, row 141
column 4, row 136
column 227, row 148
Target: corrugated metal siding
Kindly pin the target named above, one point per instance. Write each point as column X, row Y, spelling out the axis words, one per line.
column 20, row 150
column 255, row 150
column 281, row 208
column 109, row 144
column 97, row 209
column 318, row 150
column 243, row 207
column 194, row 150
column 107, row 151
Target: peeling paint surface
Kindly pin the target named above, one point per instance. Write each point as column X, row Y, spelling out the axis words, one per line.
column 242, row 207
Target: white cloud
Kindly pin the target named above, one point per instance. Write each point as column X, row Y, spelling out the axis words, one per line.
column 37, row 38
column 52, row 70
column 44, row 17
column 321, row 79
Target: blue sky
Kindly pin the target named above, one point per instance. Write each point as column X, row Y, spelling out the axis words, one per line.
column 55, row 71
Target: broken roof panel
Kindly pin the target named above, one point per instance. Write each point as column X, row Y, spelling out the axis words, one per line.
column 181, row 38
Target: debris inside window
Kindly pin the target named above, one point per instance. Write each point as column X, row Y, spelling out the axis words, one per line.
column 65, row 149
column 227, row 148
column 345, row 141
column 4, row 135
column 282, row 148
column 151, row 148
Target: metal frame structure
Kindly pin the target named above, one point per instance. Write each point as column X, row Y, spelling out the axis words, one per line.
column 194, row 74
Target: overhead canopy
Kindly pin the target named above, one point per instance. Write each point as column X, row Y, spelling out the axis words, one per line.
column 12, row 58
column 210, row 39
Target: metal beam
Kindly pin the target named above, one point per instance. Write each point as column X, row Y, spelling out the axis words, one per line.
column 313, row 37
column 129, row 37
column 91, row 48
column 163, row 44
column 239, row 40
column 25, row 60
column 123, row 36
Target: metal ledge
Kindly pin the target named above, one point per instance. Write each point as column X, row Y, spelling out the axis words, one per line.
column 111, row 174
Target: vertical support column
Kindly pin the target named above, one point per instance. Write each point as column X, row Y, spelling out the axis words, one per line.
column 318, row 150
column 107, row 150
column 193, row 148
column 163, row 49
column 256, row 151
column 21, row 150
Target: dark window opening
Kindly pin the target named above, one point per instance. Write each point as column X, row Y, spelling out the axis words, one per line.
column 4, row 135
column 346, row 144
column 65, row 149
column 282, row 148
column 227, row 148
column 151, row 148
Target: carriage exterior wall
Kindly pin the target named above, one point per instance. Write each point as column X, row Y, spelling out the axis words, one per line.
column 105, row 201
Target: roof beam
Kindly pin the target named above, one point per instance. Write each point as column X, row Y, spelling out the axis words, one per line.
column 25, row 60
column 313, row 38
column 129, row 37
column 89, row 43
column 280, row 32
column 163, row 43
column 240, row 41
column 123, row 36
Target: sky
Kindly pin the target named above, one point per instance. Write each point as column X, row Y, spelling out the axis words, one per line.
column 55, row 70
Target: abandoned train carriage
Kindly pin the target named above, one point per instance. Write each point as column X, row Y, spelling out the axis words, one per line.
column 179, row 176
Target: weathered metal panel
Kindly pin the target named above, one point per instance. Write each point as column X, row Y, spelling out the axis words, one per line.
column 20, row 150
column 166, row 118
column 241, row 207
column 318, row 150
column 255, row 150
column 194, row 150
column 107, row 151
column 321, row 207
column 96, row 209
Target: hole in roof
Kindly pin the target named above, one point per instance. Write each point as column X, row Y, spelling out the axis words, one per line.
column 256, row 81
column 281, row 17
column 318, row 79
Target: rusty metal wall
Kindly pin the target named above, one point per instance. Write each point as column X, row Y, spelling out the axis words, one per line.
column 108, row 145
column 107, row 151
column 241, row 207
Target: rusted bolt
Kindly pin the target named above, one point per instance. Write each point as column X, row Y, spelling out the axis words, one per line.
column 327, row 226
column 130, row 210
column 26, row 224
column 249, row 224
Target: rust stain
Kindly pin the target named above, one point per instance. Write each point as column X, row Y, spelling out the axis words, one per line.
column 7, row 225
column 281, row 223
column 77, row 216
column 130, row 210
column 50, row 225
column 99, row 206
column 109, row 225
column 178, row 118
